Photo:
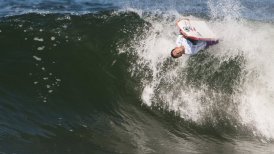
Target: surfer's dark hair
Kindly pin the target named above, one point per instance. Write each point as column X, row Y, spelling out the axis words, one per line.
column 171, row 53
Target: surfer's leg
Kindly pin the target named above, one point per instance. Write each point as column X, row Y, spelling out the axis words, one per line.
column 210, row 43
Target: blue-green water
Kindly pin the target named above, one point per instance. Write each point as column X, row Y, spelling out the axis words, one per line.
column 84, row 76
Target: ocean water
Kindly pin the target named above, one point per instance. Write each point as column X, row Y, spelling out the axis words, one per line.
column 80, row 76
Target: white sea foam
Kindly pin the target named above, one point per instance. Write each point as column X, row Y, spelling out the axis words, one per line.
column 255, row 41
column 153, row 51
column 251, row 102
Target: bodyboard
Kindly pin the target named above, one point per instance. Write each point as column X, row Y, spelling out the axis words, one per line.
column 196, row 30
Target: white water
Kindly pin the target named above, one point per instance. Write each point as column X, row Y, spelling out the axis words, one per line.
column 252, row 102
column 255, row 41
column 256, row 100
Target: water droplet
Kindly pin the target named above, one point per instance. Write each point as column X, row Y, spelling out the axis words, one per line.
column 38, row 39
column 37, row 58
column 41, row 48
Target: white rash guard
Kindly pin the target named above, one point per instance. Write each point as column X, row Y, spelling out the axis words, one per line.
column 190, row 48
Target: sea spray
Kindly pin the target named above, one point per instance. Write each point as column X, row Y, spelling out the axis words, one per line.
column 203, row 96
column 254, row 97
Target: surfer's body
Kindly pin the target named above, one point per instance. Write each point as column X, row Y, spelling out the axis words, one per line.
column 194, row 37
column 189, row 47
